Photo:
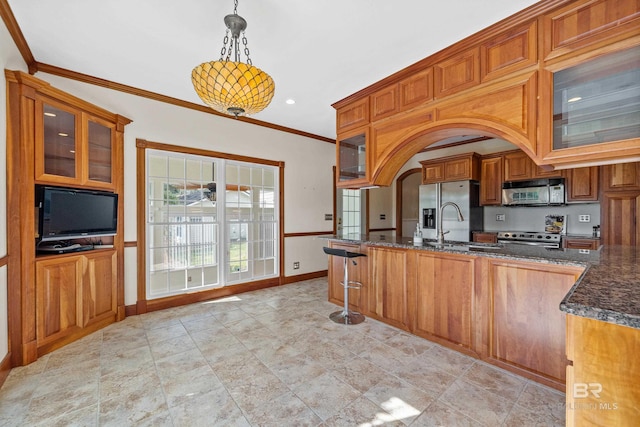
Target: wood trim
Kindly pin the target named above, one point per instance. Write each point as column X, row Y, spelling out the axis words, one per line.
column 130, row 244
column 373, row 230
column 131, row 310
column 281, row 219
column 5, row 364
column 141, row 232
column 85, row 78
column 16, row 34
column 143, row 143
column 519, row 18
column 4, row 261
column 307, row 276
column 399, row 183
column 308, row 233
column 335, row 196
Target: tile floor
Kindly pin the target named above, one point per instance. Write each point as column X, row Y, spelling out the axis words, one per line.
column 267, row 358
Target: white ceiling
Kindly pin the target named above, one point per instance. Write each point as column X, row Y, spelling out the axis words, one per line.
column 318, row 52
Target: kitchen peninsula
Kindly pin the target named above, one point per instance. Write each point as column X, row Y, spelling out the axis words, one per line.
column 509, row 306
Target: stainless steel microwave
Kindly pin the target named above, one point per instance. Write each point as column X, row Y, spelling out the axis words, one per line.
column 540, row 192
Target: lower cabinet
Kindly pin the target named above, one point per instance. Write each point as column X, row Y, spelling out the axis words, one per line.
column 74, row 292
column 526, row 326
column 444, row 298
column 390, row 286
column 602, row 382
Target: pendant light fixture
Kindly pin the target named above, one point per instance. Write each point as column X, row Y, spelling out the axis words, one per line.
column 230, row 85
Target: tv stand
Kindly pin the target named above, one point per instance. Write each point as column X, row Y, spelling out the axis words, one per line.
column 64, row 249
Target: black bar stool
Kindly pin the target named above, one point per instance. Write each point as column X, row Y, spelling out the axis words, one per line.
column 346, row 316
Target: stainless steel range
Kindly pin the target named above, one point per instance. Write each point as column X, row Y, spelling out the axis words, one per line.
column 532, row 238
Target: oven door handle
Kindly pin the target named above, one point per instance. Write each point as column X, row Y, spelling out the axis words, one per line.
column 512, row 242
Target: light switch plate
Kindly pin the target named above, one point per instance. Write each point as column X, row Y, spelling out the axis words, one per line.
column 584, row 218
column 500, row 217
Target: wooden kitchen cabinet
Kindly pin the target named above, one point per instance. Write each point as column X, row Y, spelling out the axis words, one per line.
column 58, row 298
column 444, row 298
column 73, row 294
column 390, row 286
column 454, row 168
column 518, row 166
column 491, row 178
column 581, row 243
column 582, row 184
column 357, row 273
column 602, row 380
column 353, row 161
column 620, row 218
column 481, row 237
column 621, row 177
column 526, row 327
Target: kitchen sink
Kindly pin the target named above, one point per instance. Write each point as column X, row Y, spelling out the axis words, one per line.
column 464, row 246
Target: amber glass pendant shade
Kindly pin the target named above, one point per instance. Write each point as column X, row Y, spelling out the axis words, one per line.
column 233, row 87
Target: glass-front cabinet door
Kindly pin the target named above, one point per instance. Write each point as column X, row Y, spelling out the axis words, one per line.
column 57, row 148
column 352, row 159
column 596, row 108
column 100, row 137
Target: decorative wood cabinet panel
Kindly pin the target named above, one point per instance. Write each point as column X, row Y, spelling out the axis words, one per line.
column 58, row 298
column 353, row 157
column 389, row 288
column 353, row 115
column 621, row 177
column 587, row 22
column 491, row 178
column 523, row 313
column 509, row 52
column 582, row 184
column 485, row 237
column 416, row 89
column 453, row 168
column 457, row 73
column 606, row 355
column 579, row 243
column 384, row 102
column 444, row 294
column 357, row 273
column 518, row 166
column 99, row 284
column 620, row 217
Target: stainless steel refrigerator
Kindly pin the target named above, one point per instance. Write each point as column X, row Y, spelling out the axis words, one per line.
column 466, row 194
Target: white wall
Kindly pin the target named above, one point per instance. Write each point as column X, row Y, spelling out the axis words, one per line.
column 9, row 59
column 308, row 171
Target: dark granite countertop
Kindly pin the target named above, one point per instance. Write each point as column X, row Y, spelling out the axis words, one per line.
column 608, row 290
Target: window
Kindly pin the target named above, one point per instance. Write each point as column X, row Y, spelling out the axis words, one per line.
column 200, row 237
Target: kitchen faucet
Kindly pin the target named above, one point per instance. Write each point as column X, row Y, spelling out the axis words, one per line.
column 440, row 232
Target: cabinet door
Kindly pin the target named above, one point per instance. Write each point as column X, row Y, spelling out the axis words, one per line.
column 357, row 273
column 485, row 237
column 58, row 298
column 57, row 143
column 99, row 288
column 389, row 288
column 352, row 158
column 100, row 151
column 619, row 212
column 525, row 310
column 432, row 173
column 582, row 184
column 444, row 291
column 491, row 181
column 458, row 169
column 591, row 244
column 621, row 176
column 384, row 102
column 517, row 166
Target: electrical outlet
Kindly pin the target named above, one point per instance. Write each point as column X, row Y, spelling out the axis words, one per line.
column 500, row 217
column 584, row 218
column 296, row 265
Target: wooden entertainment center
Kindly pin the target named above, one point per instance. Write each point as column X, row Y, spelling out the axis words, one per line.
column 57, row 139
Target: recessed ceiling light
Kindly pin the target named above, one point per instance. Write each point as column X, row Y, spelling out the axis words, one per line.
column 574, row 99
column 63, row 134
column 290, row 101
column 50, row 114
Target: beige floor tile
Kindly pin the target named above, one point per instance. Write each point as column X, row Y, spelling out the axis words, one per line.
column 477, row 403
column 540, row 399
column 362, row 412
column 59, row 402
column 439, row 415
column 216, row 408
column 182, row 388
column 172, row 346
column 86, row 417
column 326, row 395
column 400, row 399
column 495, row 380
column 359, row 373
column 285, row 410
column 524, row 417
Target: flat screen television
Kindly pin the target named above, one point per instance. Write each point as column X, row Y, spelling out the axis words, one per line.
column 71, row 213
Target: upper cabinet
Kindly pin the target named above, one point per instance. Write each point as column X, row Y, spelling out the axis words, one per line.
column 519, row 166
column 351, row 149
column 72, row 147
column 454, row 168
column 560, row 80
